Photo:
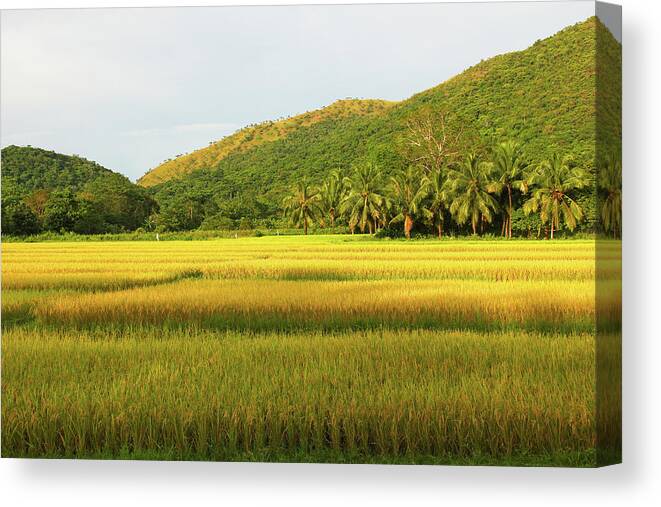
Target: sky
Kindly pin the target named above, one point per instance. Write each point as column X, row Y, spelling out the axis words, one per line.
column 129, row 88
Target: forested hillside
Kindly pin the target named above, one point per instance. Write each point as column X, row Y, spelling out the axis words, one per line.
column 33, row 169
column 47, row 191
column 254, row 135
column 542, row 97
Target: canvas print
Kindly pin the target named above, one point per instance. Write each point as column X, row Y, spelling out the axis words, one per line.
column 384, row 234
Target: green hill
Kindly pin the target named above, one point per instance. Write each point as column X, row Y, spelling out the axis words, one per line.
column 47, row 191
column 255, row 135
column 543, row 97
column 32, row 169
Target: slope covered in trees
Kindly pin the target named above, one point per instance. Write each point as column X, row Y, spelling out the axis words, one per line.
column 47, row 191
column 542, row 98
column 254, row 135
column 33, row 169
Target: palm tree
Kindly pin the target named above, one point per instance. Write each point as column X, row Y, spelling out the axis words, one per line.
column 509, row 167
column 302, row 205
column 364, row 202
column 468, row 184
column 555, row 179
column 331, row 195
column 438, row 194
column 409, row 189
column 610, row 183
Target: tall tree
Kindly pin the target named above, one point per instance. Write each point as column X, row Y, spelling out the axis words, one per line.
column 509, row 165
column 610, row 188
column 468, row 185
column 331, row 194
column 554, row 180
column 302, row 205
column 364, row 202
column 433, row 139
column 438, row 197
column 408, row 190
column 18, row 218
column 61, row 211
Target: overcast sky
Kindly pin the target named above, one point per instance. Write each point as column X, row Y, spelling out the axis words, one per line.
column 129, row 88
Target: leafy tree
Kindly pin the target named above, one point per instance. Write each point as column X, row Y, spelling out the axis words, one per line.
column 331, row 195
column 61, row 211
column 610, row 187
column 18, row 218
column 468, row 185
column 122, row 204
column 439, row 198
column 554, row 180
column 365, row 201
column 218, row 222
column 37, row 202
column 509, row 166
column 182, row 214
column 89, row 218
column 526, row 225
column 302, row 205
column 409, row 190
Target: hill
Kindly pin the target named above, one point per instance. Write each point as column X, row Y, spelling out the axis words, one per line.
column 253, row 136
column 32, row 169
column 544, row 97
column 47, row 191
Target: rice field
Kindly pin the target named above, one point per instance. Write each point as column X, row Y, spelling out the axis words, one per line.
column 327, row 349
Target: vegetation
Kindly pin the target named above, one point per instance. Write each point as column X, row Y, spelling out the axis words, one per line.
column 255, row 135
column 523, row 98
column 555, row 179
column 610, row 189
column 302, row 207
column 364, row 205
column 408, row 192
column 252, row 346
column 46, row 191
column 510, row 116
column 509, row 165
column 318, row 348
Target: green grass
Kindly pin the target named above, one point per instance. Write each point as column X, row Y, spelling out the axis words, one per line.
column 391, row 395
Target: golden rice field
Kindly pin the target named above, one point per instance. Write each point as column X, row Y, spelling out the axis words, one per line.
column 304, row 349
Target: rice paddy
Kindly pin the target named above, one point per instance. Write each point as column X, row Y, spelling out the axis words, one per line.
column 336, row 349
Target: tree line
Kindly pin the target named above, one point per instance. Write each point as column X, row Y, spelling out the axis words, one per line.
column 108, row 204
column 475, row 192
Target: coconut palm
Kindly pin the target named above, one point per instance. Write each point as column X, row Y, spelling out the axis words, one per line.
column 610, row 185
column 439, row 198
column 331, row 194
column 554, row 180
column 509, row 166
column 364, row 201
column 468, row 185
column 408, row 191
column 302, row 205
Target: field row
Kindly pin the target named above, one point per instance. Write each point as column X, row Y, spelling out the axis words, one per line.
column 99, row 277
column 367, row 396
column 289, row 305
column 110, row 266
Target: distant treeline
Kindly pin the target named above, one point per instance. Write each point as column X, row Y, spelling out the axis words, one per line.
column 46, row 191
